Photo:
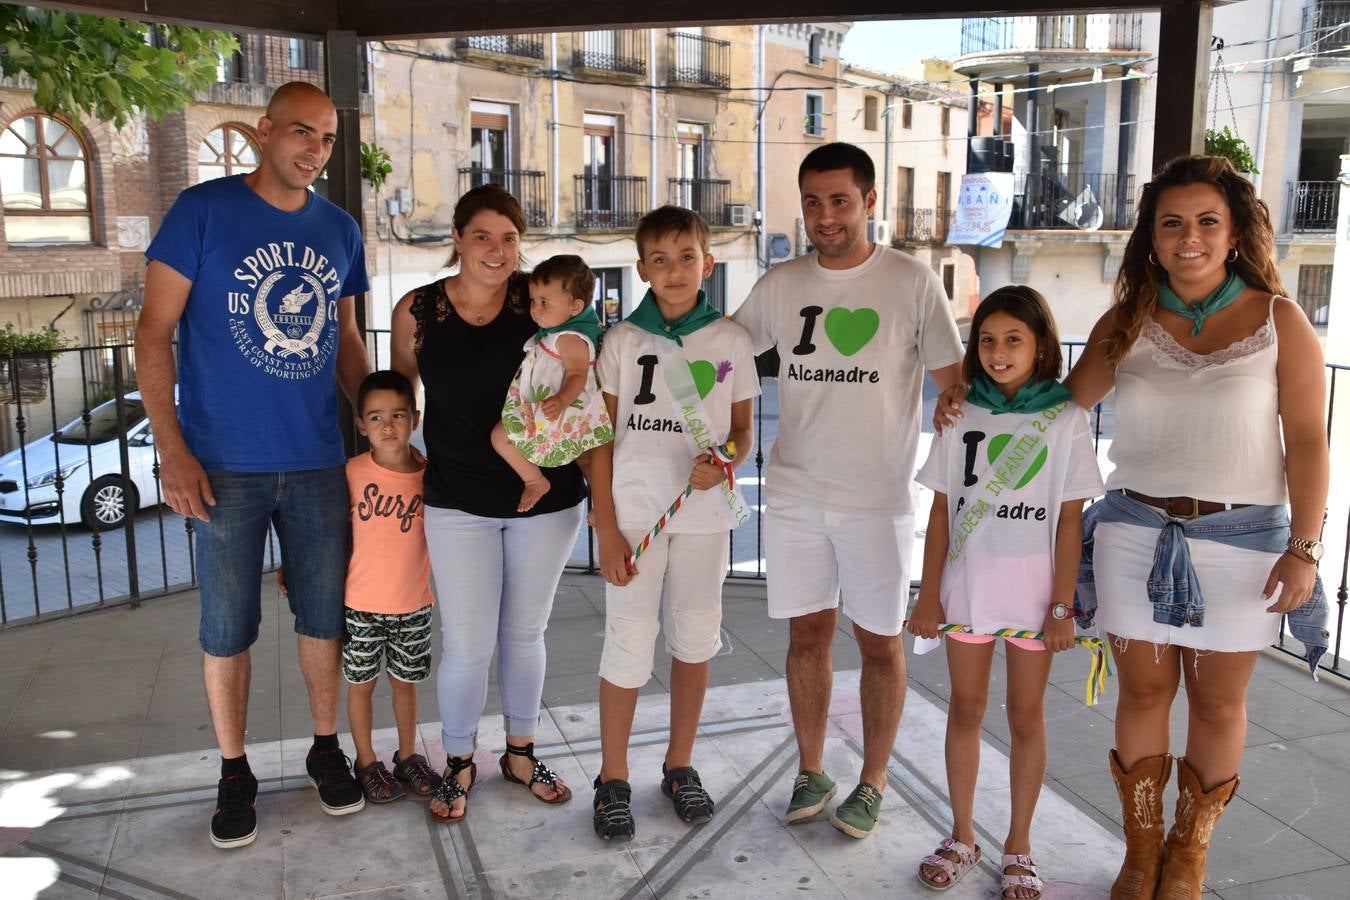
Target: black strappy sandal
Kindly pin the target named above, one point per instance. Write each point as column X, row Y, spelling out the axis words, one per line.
column 682, row 785
column 541, row 774
column 613, row 820
column 450, row 790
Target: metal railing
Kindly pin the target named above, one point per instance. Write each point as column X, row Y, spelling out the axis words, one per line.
column 1312, row 206
column 525, row 46
column 695, row 59
column 56, row 568
column 705, row 196
column 528, row 186
column 1073, row 199
column 609, row 202
column 624, row 52
column 1326, row 26
column 921, row 226
column 1088, row 33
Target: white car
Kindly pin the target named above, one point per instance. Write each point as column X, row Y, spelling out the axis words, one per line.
column 90, row 469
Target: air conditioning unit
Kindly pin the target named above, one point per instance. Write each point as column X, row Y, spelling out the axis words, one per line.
column 879, row 231
column 738, row 215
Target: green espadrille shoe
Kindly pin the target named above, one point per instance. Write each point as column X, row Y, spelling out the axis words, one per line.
column 810, row 792
column 857, row 816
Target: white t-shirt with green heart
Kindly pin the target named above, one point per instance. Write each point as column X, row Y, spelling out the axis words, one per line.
column 854, row 344
column 652, row 456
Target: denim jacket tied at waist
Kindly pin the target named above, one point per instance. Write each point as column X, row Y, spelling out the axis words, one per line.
column 1172, row 585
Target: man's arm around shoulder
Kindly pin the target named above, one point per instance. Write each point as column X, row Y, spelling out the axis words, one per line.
column 182, row 479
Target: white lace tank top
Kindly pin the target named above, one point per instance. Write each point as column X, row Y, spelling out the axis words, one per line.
column 1200, row 425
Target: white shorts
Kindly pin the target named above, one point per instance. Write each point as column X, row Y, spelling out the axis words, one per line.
column 814, row 555
column 678, row 588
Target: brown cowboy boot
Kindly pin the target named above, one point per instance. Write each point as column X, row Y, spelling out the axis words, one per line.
column 1141, row 806
column 1187, row 848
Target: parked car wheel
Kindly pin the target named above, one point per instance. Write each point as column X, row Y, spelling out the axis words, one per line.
column 105, row 503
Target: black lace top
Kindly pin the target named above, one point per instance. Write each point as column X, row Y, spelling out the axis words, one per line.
column 466, row 370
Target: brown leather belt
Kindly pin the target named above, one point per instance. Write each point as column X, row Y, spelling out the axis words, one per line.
column 1183, row 507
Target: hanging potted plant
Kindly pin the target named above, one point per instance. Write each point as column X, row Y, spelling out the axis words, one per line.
column 375, row 168
column 1232, row 148
column 25, row 360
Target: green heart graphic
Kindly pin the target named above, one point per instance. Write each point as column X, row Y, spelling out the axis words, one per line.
column 999, row 441
column 705, row 376
column 850, row 329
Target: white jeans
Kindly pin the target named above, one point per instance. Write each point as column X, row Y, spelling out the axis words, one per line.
column 495, row 581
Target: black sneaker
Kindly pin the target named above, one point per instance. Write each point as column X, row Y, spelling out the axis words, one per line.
column 235, row 823
column 331, row 774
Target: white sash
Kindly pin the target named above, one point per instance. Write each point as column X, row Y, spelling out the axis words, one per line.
column 695, row 423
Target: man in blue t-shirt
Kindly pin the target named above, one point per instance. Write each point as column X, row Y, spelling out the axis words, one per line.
column 259, row 276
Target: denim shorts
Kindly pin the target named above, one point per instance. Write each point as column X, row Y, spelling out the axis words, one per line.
column 310, row 512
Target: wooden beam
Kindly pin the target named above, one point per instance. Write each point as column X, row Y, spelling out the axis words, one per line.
column 301, row 18
column 1183, row 81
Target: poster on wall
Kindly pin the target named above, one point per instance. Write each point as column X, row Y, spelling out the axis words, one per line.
column 982, row 209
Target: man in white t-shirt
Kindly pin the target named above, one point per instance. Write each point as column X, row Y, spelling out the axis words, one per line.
column 855, row 325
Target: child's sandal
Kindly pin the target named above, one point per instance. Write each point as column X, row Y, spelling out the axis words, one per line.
column 450, row 790
column 685, row 788
column 377, row 784
column 1011, row 882
column 613, row 816
column 540, row 774
column 420, row 778
column 967, row 857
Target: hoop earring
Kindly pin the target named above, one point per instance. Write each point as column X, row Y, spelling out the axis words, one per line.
column 1232, row 254
column 1153, row 257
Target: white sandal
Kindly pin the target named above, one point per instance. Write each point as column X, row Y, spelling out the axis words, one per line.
column 967, row 857
column 1031, row 882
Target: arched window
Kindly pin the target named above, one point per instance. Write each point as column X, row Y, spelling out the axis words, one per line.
column 229, row 150
column 44, row 182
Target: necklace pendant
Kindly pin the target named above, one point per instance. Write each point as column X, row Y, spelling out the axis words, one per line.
column 480, row 318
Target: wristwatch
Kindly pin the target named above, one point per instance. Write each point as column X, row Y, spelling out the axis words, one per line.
column 1308, row 547
column 1061, row 611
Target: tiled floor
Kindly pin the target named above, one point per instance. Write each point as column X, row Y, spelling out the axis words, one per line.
column 107, row 773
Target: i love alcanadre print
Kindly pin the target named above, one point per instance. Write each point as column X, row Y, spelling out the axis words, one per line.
column 283, row 316
column 847, row 330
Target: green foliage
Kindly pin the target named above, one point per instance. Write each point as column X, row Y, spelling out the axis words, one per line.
column 104, row 67
column 13, row 342
column 1231, row 147
column 375, row 165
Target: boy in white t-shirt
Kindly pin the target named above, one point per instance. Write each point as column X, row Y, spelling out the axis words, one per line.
column 678, row 380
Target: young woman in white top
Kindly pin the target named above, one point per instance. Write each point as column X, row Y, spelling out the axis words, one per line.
column 1220, row 391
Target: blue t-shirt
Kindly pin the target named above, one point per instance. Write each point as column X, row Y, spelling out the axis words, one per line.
column 257, row 343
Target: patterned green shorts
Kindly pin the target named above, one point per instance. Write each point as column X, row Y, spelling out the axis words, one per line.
column 403, row 640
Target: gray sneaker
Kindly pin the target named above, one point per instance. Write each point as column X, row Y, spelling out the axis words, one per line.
column 810, row 792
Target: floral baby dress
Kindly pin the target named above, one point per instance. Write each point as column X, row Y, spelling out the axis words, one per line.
column 583, row 426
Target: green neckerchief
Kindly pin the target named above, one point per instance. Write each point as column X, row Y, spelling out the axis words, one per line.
column 585, row 322
column 1031, row 397
column 1220, row 297
column 648, row 317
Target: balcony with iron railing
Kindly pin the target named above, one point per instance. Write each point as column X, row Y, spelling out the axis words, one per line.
column 699, row 60
column 528, row 186
column 1071, row 198
column 705, row 196
column 611, row 52
column 1312, row 206
column 1326, row 27
column 610, row 202
column 920, row 226
column 1100, row 33
column 519, row 46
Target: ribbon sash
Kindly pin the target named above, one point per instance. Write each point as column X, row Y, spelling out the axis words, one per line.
column 1003, row 471
column 695, row 423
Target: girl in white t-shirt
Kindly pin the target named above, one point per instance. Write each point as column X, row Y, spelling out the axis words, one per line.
column 553, row 412
column 1001, row 552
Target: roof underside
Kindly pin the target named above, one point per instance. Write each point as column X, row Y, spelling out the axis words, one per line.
column 390, row 19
